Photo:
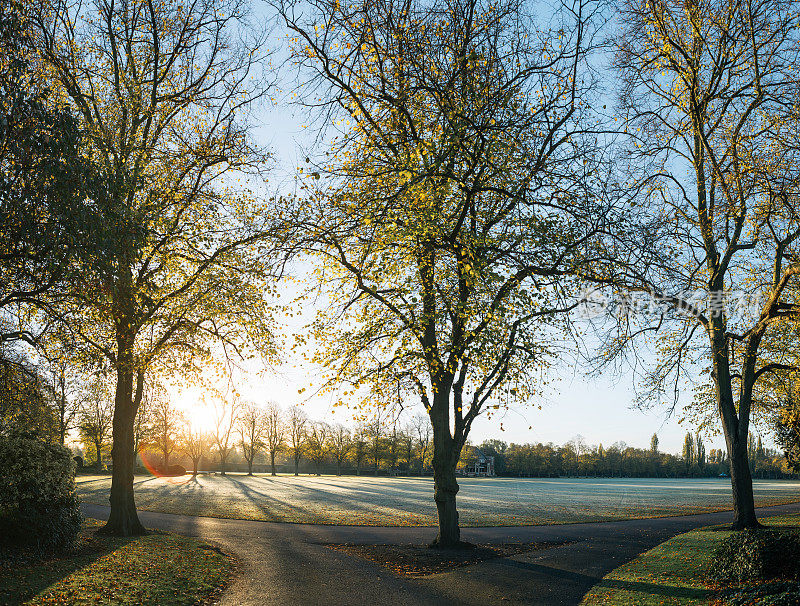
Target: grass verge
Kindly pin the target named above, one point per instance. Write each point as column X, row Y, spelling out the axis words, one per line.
column 675, row 572
column 160, row 568
column 420, row 561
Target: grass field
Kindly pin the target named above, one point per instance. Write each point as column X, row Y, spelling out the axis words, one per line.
column 675, row 573
column 160, row 568
column 409, row 501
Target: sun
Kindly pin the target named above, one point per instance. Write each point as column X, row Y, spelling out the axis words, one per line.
column 199, row 415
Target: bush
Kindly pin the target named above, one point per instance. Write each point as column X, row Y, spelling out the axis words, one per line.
column 38, row 503
column 174, row 471
column 757, row 555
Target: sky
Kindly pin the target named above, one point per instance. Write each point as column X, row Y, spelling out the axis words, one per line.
column 598, row 409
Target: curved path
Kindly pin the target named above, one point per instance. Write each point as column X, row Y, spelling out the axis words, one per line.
column 289, row 564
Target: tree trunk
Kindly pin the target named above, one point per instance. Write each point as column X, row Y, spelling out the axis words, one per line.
column 250, row 466
column 445, row 490
column 272, row 460
column 338, row 468
column 123, row 520
column 744, row 513
column 194, row 466
column 446, row 452
column 296, row 465
column 222, row 465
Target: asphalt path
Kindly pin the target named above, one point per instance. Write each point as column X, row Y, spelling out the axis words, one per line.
column 289, row 564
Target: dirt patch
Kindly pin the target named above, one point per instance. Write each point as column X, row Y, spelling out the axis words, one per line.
column 421, row 560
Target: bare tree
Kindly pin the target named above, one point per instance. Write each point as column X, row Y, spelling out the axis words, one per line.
column 317, row 444
column 226, row 415
column 359, row 446
column 712, row 174
column 96, row 412
column 298, row 421
column 375, row 433
column 275, row 432
column 422, row 435
column 195, row 443
column 64, row 386
column 341, row 443
column 164, row 423
column 252, row 424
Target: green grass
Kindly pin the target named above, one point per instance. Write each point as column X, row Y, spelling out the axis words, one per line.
column 673, row 573
column 159, row 568
column 386, row 501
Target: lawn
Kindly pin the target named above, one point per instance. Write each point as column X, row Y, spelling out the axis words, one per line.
column 159, row 568
column 673, row 573
column 409, row 501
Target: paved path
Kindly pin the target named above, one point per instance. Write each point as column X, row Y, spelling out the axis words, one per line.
column 288, row 564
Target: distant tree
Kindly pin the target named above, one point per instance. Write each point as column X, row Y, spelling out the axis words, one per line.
column 317, row 443
column 375, row 433
column 701, row 453
column 654, row 444
column 226, row 415
column 422, row 434
column 406, row 439
column 359, row 446
column 689, row 453
column 340, row 445
column 252, row 426
column 25, row 403
column 195, row 443
column 165, row 423
column 275, row 432
column 297, row 422
column 96, row 415
column 787, row 432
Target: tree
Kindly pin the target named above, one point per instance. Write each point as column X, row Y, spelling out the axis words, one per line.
column 375, row 433
column 407, row 442
column 25, row 406
column 422, row 431
column 96, row 414
column 160, row 89
column 275, row 432
column 317, row 444
column 252, row 424
column 339, row 445
column 44, row 180
column 164, row 424
column 654, row 444
column 226, row 416
column 455, row 198
column 297, row 434
column 701, row 453
column 787, row 432
column 709, row 86
column 689, row 452
column 195, row 443
column 359, row 446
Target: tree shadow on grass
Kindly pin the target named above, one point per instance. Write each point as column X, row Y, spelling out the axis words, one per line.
column 20, row 581
column 660, row 590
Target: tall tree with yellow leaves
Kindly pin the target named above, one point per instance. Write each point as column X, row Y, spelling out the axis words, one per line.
column 161, row 90
column 456, row 197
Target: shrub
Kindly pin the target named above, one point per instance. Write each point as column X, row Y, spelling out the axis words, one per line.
column 38, row 503
column 175, row 470
column 756, row 555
